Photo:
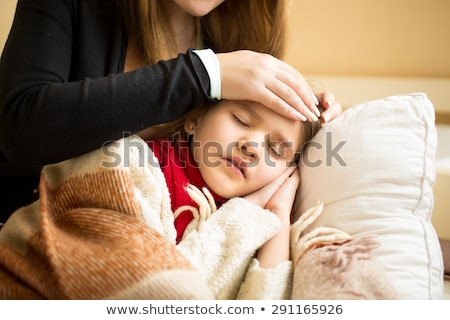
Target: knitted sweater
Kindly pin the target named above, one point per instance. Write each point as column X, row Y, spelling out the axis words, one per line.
column 108, row 215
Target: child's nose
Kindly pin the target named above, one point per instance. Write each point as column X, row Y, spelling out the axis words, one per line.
column 250, row 149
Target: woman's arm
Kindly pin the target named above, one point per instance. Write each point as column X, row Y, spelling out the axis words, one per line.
column 62, row 93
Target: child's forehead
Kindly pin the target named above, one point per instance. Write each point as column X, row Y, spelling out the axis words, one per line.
column 255, row 109
column 263, row 113
column 248, row 105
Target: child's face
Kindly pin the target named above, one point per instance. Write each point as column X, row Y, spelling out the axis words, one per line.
column 240, row 147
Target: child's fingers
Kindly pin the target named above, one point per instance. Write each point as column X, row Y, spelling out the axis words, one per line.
column 262, row 196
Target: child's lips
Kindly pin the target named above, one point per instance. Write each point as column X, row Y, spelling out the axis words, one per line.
column 237, row 164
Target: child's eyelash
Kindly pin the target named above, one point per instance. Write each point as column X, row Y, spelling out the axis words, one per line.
column 273, row 150
column 240, row 121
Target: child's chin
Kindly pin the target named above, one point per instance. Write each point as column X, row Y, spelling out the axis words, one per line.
column 226, row 194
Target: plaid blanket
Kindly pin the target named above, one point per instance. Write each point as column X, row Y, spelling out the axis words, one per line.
column 86, row 238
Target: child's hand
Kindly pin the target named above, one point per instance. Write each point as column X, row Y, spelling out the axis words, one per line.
column 278, row 196
column 282, row 193
column 283, row 199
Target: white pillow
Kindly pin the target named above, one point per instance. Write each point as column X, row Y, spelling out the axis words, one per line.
column 373, row 169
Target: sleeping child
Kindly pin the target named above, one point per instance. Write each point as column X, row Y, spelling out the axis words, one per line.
column 199, row 209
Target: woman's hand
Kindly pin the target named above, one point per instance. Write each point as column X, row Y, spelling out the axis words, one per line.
column 248, row 75
column 331, row 108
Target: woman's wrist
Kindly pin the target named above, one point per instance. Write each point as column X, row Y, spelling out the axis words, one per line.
column 212, row 66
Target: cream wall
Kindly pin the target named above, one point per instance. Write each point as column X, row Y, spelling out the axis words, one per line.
column 366, row 49
column 355, row 37
column 406, row 38
column 7, row 8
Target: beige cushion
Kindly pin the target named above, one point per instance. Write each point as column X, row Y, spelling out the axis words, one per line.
column 373, row 168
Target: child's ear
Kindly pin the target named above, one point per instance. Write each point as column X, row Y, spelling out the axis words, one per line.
column 189, row 126
column 192, row 120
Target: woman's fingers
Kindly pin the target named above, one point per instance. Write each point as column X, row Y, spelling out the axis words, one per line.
column 294, row 92
column 247, row 75
column 297, row 82
column 331, row 108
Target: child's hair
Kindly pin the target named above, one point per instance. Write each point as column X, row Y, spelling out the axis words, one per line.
column 235, row 24
column 176, row 128
column 171, row 129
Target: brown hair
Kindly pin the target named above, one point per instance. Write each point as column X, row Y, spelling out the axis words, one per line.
column 258, row 25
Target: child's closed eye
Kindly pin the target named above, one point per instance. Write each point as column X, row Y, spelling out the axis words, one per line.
column 274, row 149
column 240, row 121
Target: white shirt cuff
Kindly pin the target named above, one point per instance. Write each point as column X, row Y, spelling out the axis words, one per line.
column 212, row 66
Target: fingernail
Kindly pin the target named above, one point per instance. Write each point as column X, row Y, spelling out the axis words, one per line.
column 312, row 116
column 300, row 117
column 316, row 101
column 316, row 104
column 317, row 111
column 326, row 117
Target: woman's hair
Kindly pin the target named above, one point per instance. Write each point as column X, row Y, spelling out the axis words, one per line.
column 175, row 128
column 258, row 25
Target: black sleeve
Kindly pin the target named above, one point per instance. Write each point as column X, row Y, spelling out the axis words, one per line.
column 47, row 117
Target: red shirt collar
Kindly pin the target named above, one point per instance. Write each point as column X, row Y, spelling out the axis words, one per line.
column 192, row 171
